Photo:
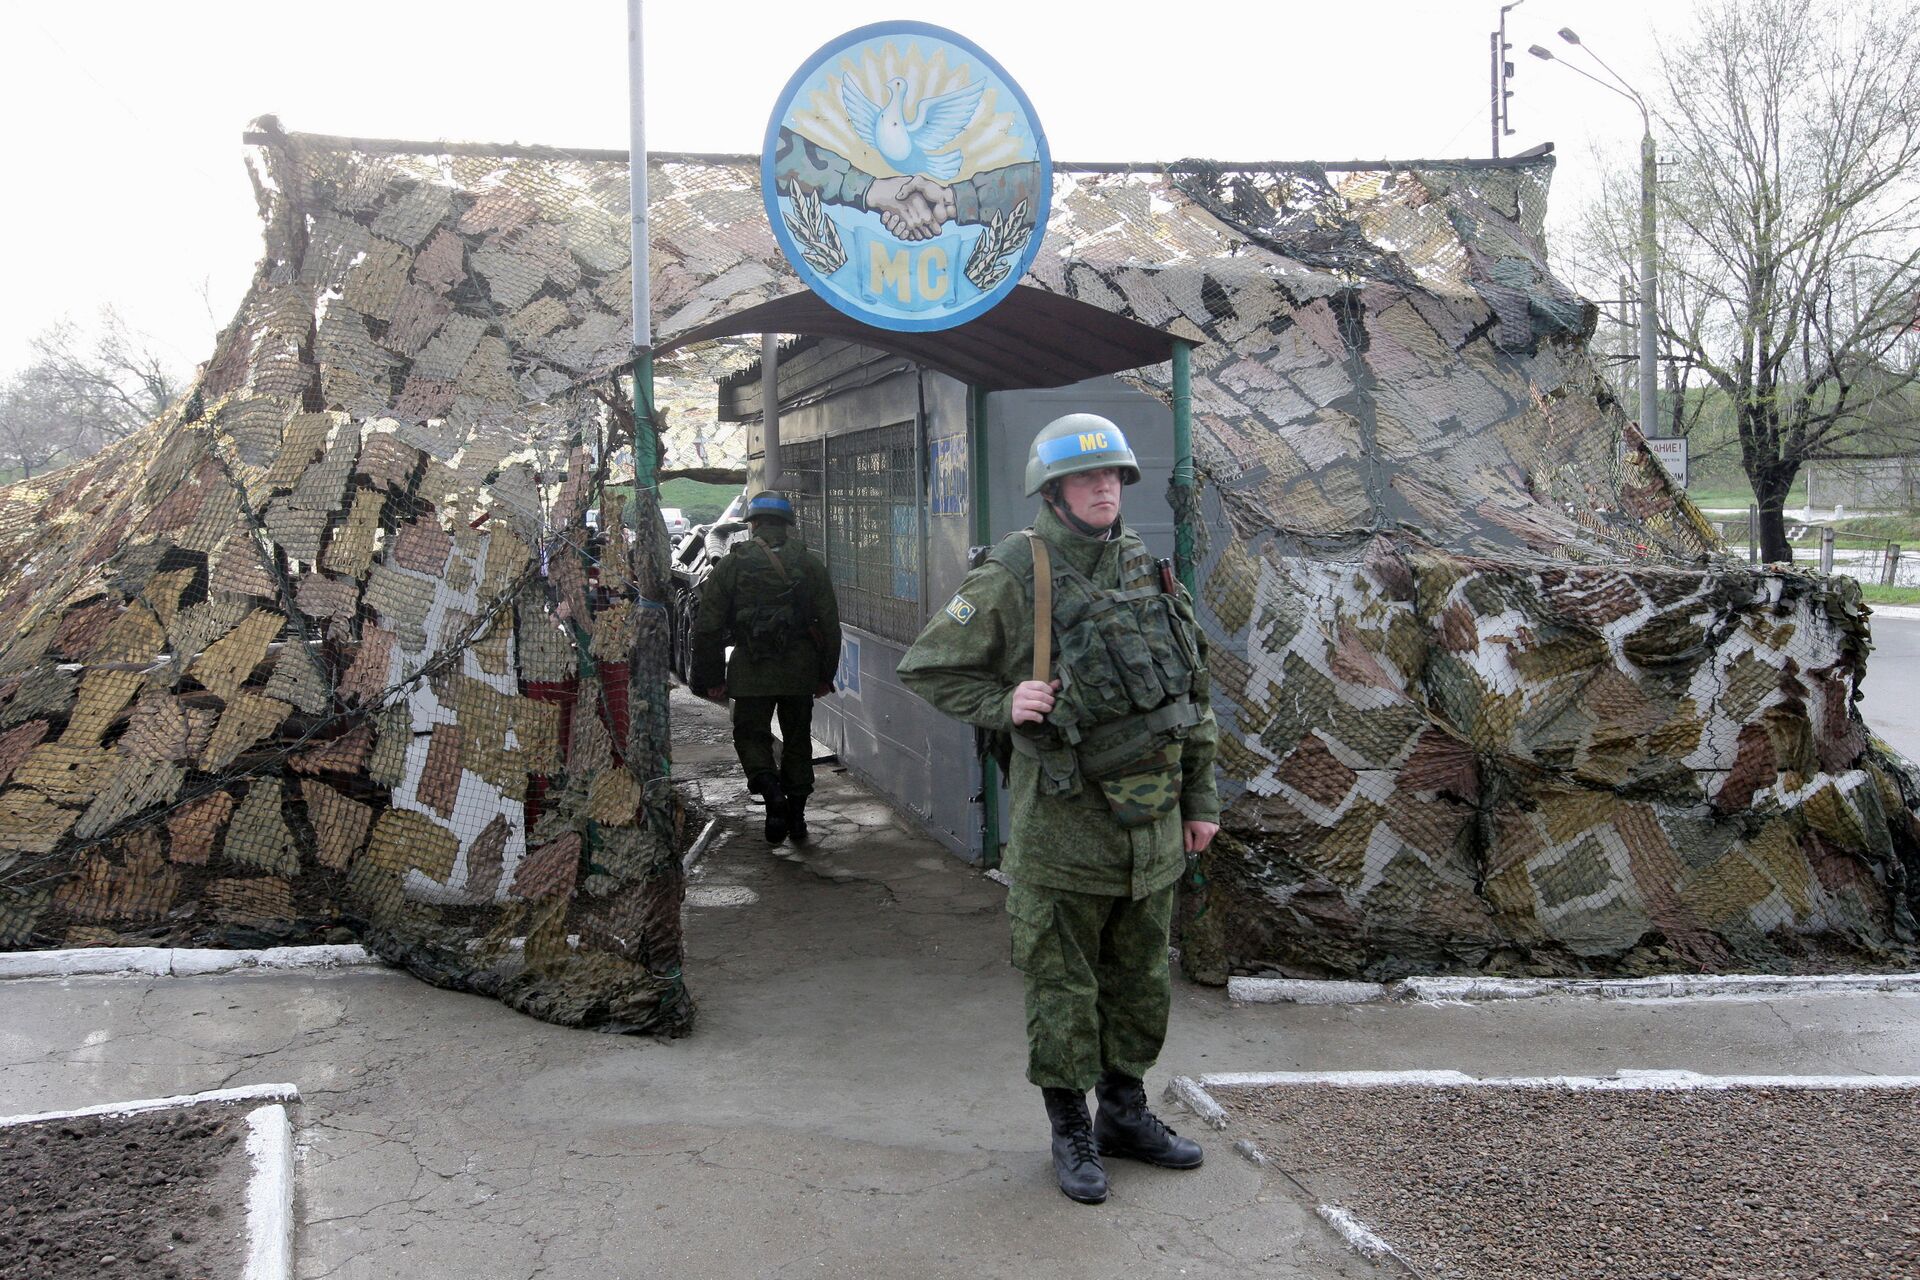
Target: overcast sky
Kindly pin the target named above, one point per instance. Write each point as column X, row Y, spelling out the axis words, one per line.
column 126, row 183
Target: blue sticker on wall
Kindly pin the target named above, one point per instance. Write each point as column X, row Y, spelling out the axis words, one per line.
column 947, row 478
column 847, row 679
column 906, row 176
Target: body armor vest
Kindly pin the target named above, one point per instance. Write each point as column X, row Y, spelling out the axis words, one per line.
column 1128, row 662
column 770, row 605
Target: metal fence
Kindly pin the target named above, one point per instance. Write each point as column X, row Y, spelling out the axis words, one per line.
column 1887, row 564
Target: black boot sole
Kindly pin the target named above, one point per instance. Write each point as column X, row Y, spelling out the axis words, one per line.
column 1101, row 1199
column 1107, row 1152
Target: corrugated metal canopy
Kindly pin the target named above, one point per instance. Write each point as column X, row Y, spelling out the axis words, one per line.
column 1032, row 339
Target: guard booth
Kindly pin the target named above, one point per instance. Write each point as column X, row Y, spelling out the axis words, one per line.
column 899, row 464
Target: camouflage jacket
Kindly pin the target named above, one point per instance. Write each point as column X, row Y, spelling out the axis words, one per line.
column 967, row 661
column 799, row 648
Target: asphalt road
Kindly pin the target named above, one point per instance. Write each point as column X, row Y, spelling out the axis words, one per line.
column 1891, row 701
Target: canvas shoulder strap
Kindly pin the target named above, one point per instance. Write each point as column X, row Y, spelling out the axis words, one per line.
column 773, row 556
column 1042, row 607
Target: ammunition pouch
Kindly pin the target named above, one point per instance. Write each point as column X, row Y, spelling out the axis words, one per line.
column 1135, row 761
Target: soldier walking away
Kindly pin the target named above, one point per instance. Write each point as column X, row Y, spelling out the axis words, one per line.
column 1080, row 654
column 772, row 600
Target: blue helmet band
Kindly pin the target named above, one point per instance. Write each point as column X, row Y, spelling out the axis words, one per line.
column 770, row 504
column 1080, row 444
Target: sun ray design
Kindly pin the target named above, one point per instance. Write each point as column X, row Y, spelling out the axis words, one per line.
column 991, row 141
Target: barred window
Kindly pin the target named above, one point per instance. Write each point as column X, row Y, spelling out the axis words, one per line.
column 873, row 529
column 802, row 481
column 858, row 503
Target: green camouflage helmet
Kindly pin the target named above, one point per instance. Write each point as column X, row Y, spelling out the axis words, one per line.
column 1079, row 442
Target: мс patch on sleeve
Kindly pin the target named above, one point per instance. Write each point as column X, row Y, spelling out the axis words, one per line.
column 960, row 610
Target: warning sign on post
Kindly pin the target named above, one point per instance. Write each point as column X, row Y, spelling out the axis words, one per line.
column 1672, row 452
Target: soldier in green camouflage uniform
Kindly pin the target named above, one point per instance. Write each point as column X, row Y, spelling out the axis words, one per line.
column 1111, row 783
column 772, row 600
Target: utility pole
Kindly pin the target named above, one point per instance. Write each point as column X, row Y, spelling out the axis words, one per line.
column 1502, row 71
column 1649, row 311
column 1649, row 244
column 645, row 443
column 648, row 748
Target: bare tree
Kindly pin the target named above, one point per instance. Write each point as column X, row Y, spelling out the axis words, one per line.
column 80, row 394
column 1795, row 223
column 117, row 383
column 37, row 428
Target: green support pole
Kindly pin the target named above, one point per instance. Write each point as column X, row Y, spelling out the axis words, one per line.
column 646, row 442
column 982, row 537
column 646, row 505
column 1183, row 500
column 982, row 512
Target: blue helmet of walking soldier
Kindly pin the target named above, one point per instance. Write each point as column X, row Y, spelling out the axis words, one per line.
column 1079, row 442
column 770, row 506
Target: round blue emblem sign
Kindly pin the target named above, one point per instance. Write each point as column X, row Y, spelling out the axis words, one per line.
column 906, row 176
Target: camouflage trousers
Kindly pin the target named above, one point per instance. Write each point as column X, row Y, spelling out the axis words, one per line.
column 753, row 739
column 1097, row 981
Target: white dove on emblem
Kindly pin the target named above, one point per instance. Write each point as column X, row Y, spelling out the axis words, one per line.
column 906, row 144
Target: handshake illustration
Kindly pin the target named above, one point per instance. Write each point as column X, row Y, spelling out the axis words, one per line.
column 911, row 208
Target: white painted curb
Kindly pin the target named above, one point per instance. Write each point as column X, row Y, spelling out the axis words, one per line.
column 1355, row 1232
column 170, row 962
column 1439, row 990
column 270, row 1195
column 245, row 1093
column 1625, row 1081
column 1899, row 612
column 1666, row 987
column 1185, row 1089
column 269, row 1147
column 700, row 845
column 1303, row 991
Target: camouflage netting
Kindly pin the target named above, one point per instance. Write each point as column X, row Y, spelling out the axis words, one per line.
column 1489, row 699
column 332, row 644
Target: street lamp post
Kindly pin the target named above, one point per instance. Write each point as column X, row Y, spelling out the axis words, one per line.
column 1502, row 72
column 1649, row 180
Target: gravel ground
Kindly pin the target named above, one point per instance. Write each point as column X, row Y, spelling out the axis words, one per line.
column 1488, row 1182
column 160, row 1196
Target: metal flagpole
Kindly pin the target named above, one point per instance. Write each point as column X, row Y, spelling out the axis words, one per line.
column 647, row 679
column 645, row 441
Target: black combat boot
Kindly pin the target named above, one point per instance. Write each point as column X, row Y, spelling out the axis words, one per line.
column 768, row 787
column 797, row 818
column 1076, row 1160
column 1126, row 1128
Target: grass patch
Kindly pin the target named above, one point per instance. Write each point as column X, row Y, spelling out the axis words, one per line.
column 701, row 502
column 1739, row 497
column 1903, row 529
column 1874, row 593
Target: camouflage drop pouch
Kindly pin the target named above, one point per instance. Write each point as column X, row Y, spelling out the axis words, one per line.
column 1142, row 791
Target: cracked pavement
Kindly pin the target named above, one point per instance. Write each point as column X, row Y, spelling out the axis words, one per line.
column 851, row 1101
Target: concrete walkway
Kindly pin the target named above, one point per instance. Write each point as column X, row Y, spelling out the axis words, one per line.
column 851, row 1103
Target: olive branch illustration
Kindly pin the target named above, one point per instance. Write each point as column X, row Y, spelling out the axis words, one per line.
column 819, row 239
column 1005, row 236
